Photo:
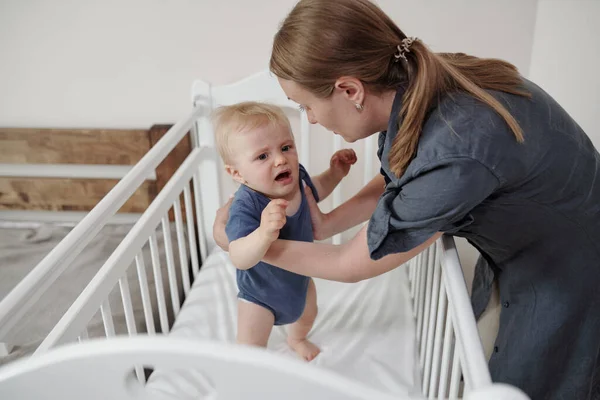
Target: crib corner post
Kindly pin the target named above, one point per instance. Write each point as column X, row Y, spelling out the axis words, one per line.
column 5, row 349
column 209, row 166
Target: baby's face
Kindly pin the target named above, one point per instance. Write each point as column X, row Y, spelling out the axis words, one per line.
column 265, row 159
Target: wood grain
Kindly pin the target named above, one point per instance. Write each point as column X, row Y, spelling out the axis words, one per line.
column 82, row 146
column 56, row 194
column 73, row 146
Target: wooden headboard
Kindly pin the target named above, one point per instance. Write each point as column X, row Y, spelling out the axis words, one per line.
column 72, row 169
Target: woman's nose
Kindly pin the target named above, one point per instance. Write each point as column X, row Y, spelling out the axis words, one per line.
column 311, row 117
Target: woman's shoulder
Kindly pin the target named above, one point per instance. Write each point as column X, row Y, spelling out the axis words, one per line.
column 461, row 126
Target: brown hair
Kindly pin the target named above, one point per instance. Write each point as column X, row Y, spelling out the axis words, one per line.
column 322, row 40
column 244, row 116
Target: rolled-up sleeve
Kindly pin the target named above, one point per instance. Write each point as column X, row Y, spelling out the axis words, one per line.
column 438, row 198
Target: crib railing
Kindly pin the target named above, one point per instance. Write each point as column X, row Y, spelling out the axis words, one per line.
column 73, row 324
column 450, row 350
column 25, row 295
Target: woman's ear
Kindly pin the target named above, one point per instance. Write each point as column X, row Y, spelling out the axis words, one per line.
column 235, row 174
column 351, row 88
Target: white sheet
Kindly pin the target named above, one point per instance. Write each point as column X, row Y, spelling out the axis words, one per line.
column 365, row 330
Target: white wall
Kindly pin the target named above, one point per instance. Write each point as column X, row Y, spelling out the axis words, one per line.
column 566, row 56
column 129, row 63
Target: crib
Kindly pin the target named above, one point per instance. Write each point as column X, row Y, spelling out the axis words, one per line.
column 180, row 345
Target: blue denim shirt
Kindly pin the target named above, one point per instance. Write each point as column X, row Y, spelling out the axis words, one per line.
column 532, row 209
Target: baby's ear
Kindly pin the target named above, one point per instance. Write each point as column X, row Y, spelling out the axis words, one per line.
column 234, row 173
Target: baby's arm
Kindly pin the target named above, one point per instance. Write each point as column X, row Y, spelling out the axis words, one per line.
column 339, row 166
column 246, row 252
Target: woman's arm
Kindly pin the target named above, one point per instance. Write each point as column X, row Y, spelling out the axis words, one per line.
column 246, row 252
column 219, row 225
column 349, row 262
column 351, row 213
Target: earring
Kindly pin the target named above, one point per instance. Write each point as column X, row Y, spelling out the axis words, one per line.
column 359, row 107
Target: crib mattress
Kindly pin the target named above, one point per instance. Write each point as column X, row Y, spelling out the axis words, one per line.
column 365, row 330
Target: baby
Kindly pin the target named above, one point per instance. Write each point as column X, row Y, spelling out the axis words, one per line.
column 256, row 143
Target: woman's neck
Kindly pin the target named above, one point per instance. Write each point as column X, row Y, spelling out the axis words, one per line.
column 382, row 108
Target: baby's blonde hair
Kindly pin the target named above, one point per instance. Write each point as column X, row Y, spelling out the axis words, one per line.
column 244, row 116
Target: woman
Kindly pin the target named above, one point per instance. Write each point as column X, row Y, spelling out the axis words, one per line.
column 469, row 148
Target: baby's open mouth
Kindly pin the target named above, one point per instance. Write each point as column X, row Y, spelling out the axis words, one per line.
column 283, row 175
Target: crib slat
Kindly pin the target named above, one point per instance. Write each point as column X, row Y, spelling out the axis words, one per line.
column 415, row 295
column 130, row 319
column 145, row 292
column 421, row 297
column 127, row 307
column 183, row 261
column 413, row 276
column 456, row 373
column 434, row 328
column 413, row 285
column 448, row 338
column 158, row 283
column 84, row 336
column 199, row 218
column 437, row 349
column 337, row 192
column 191, row 230
column 170, row 265
column 428, row 302
column 107, row 319
column 467, row 389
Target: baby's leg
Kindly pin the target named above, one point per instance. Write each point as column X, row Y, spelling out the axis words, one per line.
column 254, row 324
column 299, row 329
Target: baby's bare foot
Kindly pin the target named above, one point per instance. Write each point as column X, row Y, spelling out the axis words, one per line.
column 305, row 349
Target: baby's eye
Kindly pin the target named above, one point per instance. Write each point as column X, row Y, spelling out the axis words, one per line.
column 287, row 147
column 262, row 157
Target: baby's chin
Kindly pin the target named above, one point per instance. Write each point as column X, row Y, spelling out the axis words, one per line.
column 286, row 192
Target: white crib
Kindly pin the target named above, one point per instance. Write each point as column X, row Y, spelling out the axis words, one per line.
column 443, row 345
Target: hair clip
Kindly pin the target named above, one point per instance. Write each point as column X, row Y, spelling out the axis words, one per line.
column 404, row 48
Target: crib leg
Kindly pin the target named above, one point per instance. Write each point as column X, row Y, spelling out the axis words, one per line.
column 5, row 349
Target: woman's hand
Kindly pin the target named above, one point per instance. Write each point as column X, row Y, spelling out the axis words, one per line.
column 321, row 229
column 219, row 225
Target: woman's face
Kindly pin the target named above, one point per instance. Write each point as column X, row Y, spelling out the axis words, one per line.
column 338, row 112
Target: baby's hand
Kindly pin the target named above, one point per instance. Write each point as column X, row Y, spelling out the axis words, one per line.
column 341, row 161
column 273, row 219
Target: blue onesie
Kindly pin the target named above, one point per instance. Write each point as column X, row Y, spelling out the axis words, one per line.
column 282, row 292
